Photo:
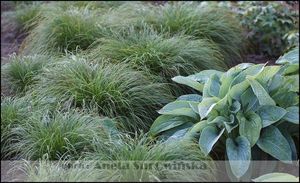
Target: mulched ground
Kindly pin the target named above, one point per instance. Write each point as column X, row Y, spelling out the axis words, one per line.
column 11, row 38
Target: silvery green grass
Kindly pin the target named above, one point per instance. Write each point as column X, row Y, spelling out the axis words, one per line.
column 121, row 147
column 200, row 21
column 249, row 108
column 13, row 113
column 19, row 72
column 57, row 134
column 116, row 90
column 91, row 73
column 146, row 50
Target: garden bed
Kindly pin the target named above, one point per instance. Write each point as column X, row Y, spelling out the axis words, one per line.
column 209, row 85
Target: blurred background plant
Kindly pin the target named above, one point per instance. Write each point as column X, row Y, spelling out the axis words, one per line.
column 271, row 26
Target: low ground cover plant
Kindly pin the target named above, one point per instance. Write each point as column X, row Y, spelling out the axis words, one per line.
column 248, row 107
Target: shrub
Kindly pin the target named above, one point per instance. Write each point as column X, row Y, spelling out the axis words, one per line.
column 20, row 71
column 148, row 51
column 248, row 107
column 60, row 30
column 141, row 150
column 57, row 134
column 267, row 24
column 14, row 111
column 210, row 22
column 116, row 90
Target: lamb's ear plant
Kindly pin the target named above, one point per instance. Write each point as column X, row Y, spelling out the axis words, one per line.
column 116, row 90
column 248, row 106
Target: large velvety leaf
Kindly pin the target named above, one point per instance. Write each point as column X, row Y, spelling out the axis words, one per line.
column 179, row 108
column 291, row 69
column 250, row 126
column 239, row 155
column 277, row 177
column 196, row 129
column 275, row 82
column 267, row 74
column 270, row 114
column 226, row 79
column 189, row 82
column 285, row 98
column 235, row 107
column 209, row 136
column 251, row 71
column 244, row 65
column 204, row 75
column 248, row 100
column 273, row 142
column 237, row 90
column 206, row 105
column 211, row 87
column 292, row 82
column 166, row 122
column 229, row 126
column 290, row 140
column 261, row 94
column 292, row 114
column 291, row 57
column 190, row 97
column 176, row 132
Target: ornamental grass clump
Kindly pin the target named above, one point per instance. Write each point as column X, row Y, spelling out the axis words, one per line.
column 217, row 24
column 248, row 107
column 14, row 111
column 72, row 29
column 27, row 15
column 20, row 71
column 57, row 135
column 115, row 90
column 138, row 151
column 146, row 50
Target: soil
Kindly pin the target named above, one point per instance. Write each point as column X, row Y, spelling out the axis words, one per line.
column 11, row 38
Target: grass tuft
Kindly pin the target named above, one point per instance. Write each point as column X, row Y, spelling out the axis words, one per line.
column 146, row 50
column 56, row 135
column 116, row 90
column 215, row 23
column 14, row 111
column 140, row 150
column 20, row 71
column 72, row 29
